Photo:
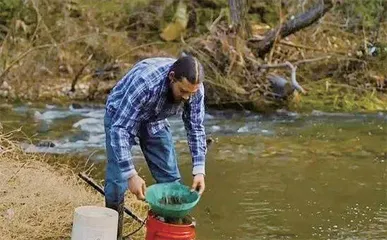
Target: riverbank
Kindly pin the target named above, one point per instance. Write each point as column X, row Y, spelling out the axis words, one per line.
column 57, row 51
column 37, row 199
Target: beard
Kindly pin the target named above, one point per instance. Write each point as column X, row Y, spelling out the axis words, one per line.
column 170, row 97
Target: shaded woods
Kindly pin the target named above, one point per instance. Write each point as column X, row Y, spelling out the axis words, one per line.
column 301, row 54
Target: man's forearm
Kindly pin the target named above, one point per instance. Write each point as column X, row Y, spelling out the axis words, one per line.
column 197, row 144
column 122, row 143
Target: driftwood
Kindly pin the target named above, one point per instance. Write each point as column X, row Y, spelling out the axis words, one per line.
column 281, row 84
column 281, row 87
column 299, row 22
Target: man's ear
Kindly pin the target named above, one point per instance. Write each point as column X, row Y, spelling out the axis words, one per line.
column 171, row 76
column 183, row 54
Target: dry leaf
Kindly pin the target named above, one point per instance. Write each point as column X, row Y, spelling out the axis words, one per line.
column 19, row 24
column 296, row 97
column 174, row 29
column 171, row 32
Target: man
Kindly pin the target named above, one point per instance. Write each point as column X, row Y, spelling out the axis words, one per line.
column 154, row 89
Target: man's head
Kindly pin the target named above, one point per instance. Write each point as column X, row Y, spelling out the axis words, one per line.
column 185, row 77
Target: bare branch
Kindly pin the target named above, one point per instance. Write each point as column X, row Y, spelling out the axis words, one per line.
column 24, row 54
column 295, row 84
column 286, row 64
column 286, row 43
column 75, row 80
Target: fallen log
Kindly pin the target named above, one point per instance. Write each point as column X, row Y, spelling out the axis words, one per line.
column 299, row 22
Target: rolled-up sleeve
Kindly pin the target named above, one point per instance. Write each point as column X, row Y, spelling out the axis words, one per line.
column 193, row 117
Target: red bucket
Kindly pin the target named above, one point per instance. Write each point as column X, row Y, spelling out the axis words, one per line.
column 159, row 230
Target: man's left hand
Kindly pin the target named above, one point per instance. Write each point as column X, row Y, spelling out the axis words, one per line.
column 198, row 183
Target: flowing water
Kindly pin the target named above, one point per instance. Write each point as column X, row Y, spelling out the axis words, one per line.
column 280, row 176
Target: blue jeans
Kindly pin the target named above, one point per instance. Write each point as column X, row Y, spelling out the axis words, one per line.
column 159, row 153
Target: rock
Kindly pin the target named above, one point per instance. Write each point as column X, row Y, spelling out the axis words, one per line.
column 66, row 89
column 209, row 141
column 46, row 71
column 46, row 144
column 43, row 127
column 81, row 136
column 5, row 86
column 83, row 86
column 66, row 69
column 6, row 106
column 9, row 214
column 76, row 106
column 12, row 94
column 4, row 93
column 37, row 116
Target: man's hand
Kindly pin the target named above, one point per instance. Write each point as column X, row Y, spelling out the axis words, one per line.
column 137, row 186
column 198, row 183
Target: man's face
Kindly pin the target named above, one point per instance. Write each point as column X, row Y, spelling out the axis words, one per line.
column 181, row 90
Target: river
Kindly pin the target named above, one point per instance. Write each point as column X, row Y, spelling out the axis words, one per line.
column 279, row 176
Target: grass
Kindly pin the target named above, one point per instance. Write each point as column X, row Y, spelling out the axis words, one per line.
column 37, row 200
column 330, row 96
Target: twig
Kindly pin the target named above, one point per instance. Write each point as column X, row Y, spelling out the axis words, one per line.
column 295, row 63
column 276, row 34
column 348, row 86
column 345, row 25
column 309, row 48
column 75, row 80
column 215, row 22
column 22, row 55
column 37, row 24
column 40, row 19
column 293, row 77
column 14, row 175
column 233, row 59
column 4, row 43
column 364, row 38
column 138, row 47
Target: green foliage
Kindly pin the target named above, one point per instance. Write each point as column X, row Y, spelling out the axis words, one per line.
column 329, row 96
column 8, row 9
column 361, row 13
column 265, row 11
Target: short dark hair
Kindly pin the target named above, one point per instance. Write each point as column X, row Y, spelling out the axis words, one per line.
column 188, row 67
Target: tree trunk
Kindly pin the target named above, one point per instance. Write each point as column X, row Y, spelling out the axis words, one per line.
column 238, row 12
column 381, row 17
column 299, row 22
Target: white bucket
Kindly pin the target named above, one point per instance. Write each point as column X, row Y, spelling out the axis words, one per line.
column 94, row 223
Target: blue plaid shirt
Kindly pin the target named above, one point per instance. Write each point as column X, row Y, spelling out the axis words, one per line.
column 141, row 97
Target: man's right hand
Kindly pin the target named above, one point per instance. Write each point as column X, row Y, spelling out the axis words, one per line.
column 137, row 186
